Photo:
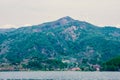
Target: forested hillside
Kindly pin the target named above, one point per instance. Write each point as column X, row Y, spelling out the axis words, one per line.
column 58, row 45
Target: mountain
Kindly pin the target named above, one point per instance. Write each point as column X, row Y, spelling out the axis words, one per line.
column 58, row 45
column 6, row 30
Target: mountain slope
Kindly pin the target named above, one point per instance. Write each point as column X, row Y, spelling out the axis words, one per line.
column 77, row 43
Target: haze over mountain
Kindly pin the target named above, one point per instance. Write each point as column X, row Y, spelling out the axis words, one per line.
column 64, row 43
column 16, row 13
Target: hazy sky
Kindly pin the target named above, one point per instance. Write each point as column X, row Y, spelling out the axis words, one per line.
column 15, row 13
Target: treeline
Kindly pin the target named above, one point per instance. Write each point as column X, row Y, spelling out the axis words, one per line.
column 112, row 65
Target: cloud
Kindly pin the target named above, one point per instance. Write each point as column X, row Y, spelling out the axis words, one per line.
column 27, row 25
column 118, row 25
column 8, row 26
column 14, row 26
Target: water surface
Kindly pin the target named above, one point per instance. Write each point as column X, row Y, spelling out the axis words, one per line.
column 60, row 75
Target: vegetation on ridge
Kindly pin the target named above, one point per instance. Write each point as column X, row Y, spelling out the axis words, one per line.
column 59, row 45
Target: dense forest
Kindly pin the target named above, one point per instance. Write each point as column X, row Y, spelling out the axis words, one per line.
column 64, row 44
column 112, row 65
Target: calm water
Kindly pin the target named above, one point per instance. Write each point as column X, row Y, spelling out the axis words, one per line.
column 62, row 75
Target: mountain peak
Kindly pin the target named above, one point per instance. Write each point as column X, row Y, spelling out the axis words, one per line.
column 65, row 20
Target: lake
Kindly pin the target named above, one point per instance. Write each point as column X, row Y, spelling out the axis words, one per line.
column 59, row 75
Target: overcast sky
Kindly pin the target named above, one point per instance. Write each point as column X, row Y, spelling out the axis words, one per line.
column 16, row 13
